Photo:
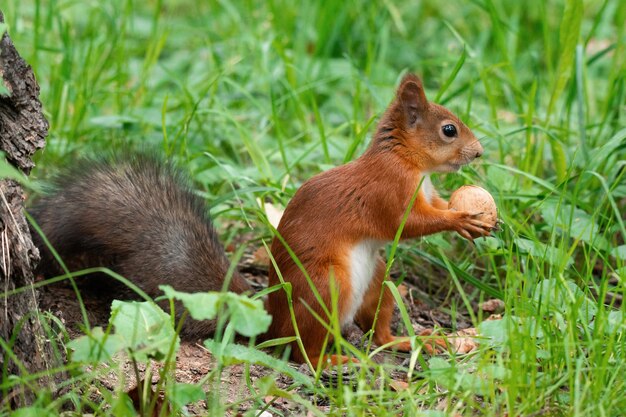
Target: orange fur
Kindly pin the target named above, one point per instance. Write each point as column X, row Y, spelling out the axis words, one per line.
column 363, row 203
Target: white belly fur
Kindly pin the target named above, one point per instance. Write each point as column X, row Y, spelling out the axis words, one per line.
column 427, row 189
column 363, row 259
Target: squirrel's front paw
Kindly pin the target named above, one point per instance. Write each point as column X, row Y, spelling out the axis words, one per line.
column 470, row 226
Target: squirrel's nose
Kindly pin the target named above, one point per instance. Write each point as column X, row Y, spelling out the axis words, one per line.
column 479, row 150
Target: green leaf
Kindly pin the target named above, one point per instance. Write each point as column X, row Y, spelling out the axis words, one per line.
column 553, row 295
column 181, row 394
column 619, row 252
column 568, row 37
column 469, row 278
column 4, row 91
column 495, row 332
column 608, row 149
column 501, row 179
column 122, row 406
column 32, row 412
column 574, row 222
column 279, row 341
column 558, row 158
column 113, row 121
column 479, row 384
column 96, row 346
column 616, row 322
column 439, row 241
column 248, row 317
column 442, row 372
column 201, row 306
column 619, row 191
column 9, row 171
column 541, row 251
column 480, row 381
column 233, row 353
column 452, row 76
column 144, row 327
column 438, row 365
column 267, row 386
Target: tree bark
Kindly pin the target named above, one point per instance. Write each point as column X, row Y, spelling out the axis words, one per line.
column 23, row 129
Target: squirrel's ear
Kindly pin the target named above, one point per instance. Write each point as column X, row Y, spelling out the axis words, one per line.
column 412, row 98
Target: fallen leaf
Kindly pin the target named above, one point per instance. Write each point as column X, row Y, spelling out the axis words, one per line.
column 273, row 214
column 403, row 290
column 507, row 116
column 492, row 306
column 463, row 341
column 260, row 257
column 398, row 386
column 596, row 45
column 442, row 404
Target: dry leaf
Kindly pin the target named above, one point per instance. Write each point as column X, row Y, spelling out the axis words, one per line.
column 442, row 404
column 596, row 45
column 403, row 290
column 273, row 214
column 458, row 342
column 398, row 385
column 463, row 341
column 260, row 257
column 506, row 116
column 492, row 306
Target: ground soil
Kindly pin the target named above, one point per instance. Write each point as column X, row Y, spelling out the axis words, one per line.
column 425, row 306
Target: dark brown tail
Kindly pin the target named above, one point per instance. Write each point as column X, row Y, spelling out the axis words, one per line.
column 139, row 217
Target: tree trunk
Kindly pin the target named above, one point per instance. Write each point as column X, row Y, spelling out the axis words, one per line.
column 23, row 128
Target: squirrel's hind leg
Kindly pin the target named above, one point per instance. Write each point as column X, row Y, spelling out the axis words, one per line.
column 366, row 314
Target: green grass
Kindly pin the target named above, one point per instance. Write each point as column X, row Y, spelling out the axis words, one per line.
column 253, row 98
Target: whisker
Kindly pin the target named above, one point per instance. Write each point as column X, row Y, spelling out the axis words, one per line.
column 482, row 140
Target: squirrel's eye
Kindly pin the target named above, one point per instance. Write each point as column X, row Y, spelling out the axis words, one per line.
column 449, row 130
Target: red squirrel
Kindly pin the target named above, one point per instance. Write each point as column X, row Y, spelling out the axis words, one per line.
column 138, row 216
column 337, row 221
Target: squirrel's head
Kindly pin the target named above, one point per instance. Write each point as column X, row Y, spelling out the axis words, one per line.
column 428, row 135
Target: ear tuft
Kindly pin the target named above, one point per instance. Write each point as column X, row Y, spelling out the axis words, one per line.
column 412, row 98
column 409, row 77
